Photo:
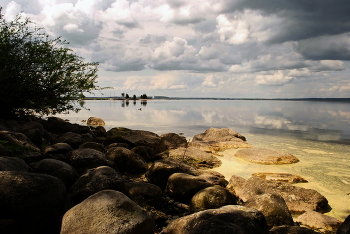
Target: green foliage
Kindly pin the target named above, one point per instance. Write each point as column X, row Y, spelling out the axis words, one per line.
column 39, row 74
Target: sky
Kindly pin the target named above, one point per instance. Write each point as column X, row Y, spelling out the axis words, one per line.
column 205, row 48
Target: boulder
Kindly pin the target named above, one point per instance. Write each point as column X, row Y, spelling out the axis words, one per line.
column 320, row 222
column 58, row 148
column 214, row 140
column 94, row 121
column 58, row 125
column 4, row 151
column 161, row 169
column 124, row 145
column 193, row 156
column 136, row 138
column 344, row 227
column 63, row 171
column 291, row 230
column 34, row 136
column 33, row 125
column 214, row 179
column 149, row 192
column 99, row 131
column 93, row 145
column 107, row 211
column 211, row 198
column 173, row 140
column 266, row 156
column 13, row 164
column 147, row 153
column 126, row 160
column 10, row 125
column 273, row 207
column 17, row 143
column 236, row 184
column 184, row 186
column 95, row 180
column 284, row 177
column 84, row 159
column 31, row 203
column 71, row 138
column 298, row 199
column 225, row 220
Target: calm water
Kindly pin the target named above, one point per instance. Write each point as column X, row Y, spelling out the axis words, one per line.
column 318, row 133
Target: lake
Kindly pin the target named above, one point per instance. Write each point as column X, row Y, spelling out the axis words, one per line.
column 318, row 133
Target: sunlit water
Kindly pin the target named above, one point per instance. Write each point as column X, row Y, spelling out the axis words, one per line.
column 318, row 133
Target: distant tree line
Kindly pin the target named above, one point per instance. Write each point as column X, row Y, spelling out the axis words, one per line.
column 126, row 96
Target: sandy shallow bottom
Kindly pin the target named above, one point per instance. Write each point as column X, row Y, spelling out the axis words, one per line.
column 325, row 165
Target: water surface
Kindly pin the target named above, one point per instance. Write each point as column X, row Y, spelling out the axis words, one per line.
column 318, row 133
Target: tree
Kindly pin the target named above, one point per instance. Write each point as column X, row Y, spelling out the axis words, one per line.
column 143, row 96
column 127, row 96
column 39, row 74
column 134, row 97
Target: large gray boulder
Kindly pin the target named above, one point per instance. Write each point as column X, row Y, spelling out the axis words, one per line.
column 13, row 164
column 184, row 186
column 266, row 156
column 126, row 160
column 193, row 156
column 63, row 171
column 109, row 212
column 84, row 159
column 147, row 153
column 33, row 125
column 298, row 199
column 214, row 140
column 273, row 207
column 149, row 192
column 31, row 203
column 93, row 145
column 95, row 180
column 161, row 169
column 225, row 220
column 58, row 148
column 320, row 222
column 211, row 198
column 18, row 143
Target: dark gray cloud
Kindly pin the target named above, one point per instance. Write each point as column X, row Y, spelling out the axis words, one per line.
column 305, row 19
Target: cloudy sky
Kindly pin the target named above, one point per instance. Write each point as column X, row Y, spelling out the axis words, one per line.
column 205, row 48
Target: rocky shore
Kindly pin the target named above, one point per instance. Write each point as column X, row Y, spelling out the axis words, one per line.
column 58, row 177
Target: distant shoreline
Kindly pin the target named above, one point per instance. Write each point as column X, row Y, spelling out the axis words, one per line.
column 344, row 100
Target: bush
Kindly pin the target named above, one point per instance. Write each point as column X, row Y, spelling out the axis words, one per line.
column 39, row 74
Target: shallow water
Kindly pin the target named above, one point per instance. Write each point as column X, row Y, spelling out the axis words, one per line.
column 318, row 133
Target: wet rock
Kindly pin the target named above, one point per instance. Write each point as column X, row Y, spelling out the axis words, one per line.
column 58, row 148
column 214, row 140
column 63, row 171
column 147, row 153
column 161, row 169
column 34, row 136
column 320, row 222
column 214, row 179
column 17, row 143
column 33, row 125
column 71, row 138
column 184, row 186
column 227, row 219
column 211, row 198
column 284, row 177
column 266, row 156
column 93, row 145
column 95, row 180
column 124, row 145
column 273, row 207
column 107, row 211
column 236, row 184
column 344, row 227
column 291, row 230
column 84, row 159
column 4, row 151
column 193, row 156
column 13, row 164
column 31, row 203
column 149, row 192
column 99, row 131
column 126, row 160
column 137, row 138
column 94, row 121
column 298, row 199
column 173, row 140
column 58, row 125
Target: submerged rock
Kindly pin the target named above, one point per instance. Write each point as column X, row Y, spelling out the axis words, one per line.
column 284, row 177
column 266, row 156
